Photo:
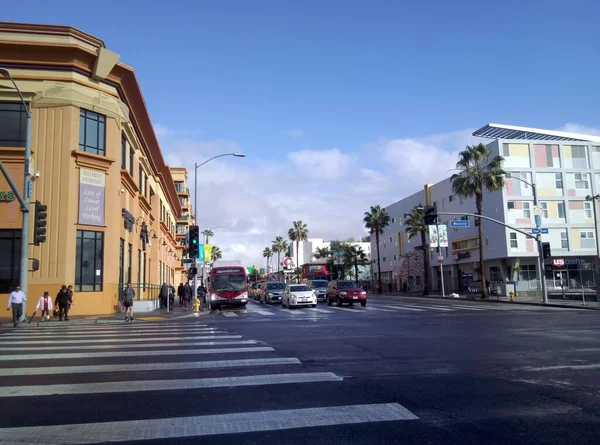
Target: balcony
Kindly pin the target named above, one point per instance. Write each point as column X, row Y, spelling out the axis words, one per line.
column 185, row 203
column 182, row 190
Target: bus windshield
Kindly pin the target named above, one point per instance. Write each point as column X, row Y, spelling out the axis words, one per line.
column 224, row 283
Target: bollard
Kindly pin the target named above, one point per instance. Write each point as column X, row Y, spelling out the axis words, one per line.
column 511, row 294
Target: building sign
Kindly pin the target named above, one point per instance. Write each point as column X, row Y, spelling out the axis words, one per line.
column 129, row 219
column 461, row 255
column 438, row 236
column 7, row 196
column 562, row 262
column 207, row 253
column 91, row 197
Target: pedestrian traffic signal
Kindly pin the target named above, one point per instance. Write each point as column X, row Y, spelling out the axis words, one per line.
column 194, row 242
column 431, row 217
column 546, row 253
column 40, row 216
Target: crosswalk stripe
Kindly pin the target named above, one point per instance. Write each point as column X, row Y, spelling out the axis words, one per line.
column 68, row 355
column 121, row 324
column 59, row 346
column 230, row 314
column 165, row 338
column 435, row 308
column 321, row 311
column 168, row 385
column 169, row 366
column 120, row 335
column 260, row 311
column 378, row 309
column 469, row 308
column 404, row 308
column 216, row 424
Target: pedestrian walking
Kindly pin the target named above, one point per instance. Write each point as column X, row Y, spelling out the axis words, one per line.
column 181, row 294
column 128, row 295
column 45, row 304
column 63, row 302
column 187, row 295
column 164, row 295
column 15, row 301
column 70, row 291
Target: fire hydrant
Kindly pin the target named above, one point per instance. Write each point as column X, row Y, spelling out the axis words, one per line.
column 511, row 294
column 196, row 305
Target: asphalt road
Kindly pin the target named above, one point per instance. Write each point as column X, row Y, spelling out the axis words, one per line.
column 398, row 371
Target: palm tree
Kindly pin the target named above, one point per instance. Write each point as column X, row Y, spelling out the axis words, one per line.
column 280, row 245
column 299, row 232
column 478, row 172
column 321, row 252
column 216, row 253
column 415, row 225
column 354, row 255
column 207, row 235
column 267, row 253
column 376, row 220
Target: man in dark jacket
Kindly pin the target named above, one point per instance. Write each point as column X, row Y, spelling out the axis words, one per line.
column 63, row 301
column 128, row 295
column 181, row 293
column 187, row 295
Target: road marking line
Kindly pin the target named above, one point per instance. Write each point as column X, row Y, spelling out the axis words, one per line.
column 559, row 367
column 435, row 308
column 469, row 308
column 10, row 358
column 168, row 385
column 60, row 347
column 261, row 312
column 321, row 311
column 356, row 310
column 404, row 308
column 114, row 340
column 120, row 335
column 119, row 324
column 142, row 367
column 229, row 314
column 378, row 309
column 217, row 424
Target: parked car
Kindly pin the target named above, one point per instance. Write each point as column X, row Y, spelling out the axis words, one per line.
column 345, row 291
column 271, row 292
column 298, row 295
column 320, row 288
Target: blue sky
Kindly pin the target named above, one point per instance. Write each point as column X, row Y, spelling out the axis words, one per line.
column 335, row 81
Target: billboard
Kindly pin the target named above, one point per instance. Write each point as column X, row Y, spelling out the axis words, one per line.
column 438, row 234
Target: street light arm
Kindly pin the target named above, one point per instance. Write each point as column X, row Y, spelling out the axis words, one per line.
column 6, row 73
column 218, row 156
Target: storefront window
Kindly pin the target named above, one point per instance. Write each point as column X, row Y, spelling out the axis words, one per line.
column 89, row 270
column 10, row 260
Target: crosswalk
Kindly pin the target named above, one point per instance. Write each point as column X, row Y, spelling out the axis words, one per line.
column 379, row 307
column 65, row 384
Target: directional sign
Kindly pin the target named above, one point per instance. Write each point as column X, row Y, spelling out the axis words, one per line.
column 538, row 220
column 535, row 231
column 460, row 223
column 544, row 230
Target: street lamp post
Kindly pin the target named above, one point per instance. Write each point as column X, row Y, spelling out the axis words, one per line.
column 196, row 166
column 540, row 260
column 597, row 272
column 25, row 198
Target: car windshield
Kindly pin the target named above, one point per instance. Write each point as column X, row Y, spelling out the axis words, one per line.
column 300, row 288
column 347, row 285
column 275, row 286
column 222, row 283
column 322, row 283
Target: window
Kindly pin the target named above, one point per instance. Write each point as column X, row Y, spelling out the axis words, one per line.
column 121, row 262
column 10, row 260
column 587, row 240
column 526, row 209
column 393, row 220
column 129, row 261
column 561, row 210
column 123, row 152
column 450, row 198
column 89, row 261
column 525, row 177
column 544, row 206
column 581, row 181
column 528, row 272
column 144, row 269
column 141, row 180
column 384, row 258
column 13, row 124
column 92, row 132
column 559, row 181
column 395, row 258
column 511, row 205
column 390, row 239
column 139, row 274
column 564, row 241
column 131, row 154
column 549, row 158
column 587, row 208
column 145, row 185
column 460, row 200
column 495, row 274
column 514, row 244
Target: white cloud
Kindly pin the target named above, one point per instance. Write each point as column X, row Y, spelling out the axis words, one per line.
column 297, row 133
column 330, row 164
column 581, row 129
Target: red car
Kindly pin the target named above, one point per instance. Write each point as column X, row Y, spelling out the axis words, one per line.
column 345, row 291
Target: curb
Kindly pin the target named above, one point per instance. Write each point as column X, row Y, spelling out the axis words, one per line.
column 489, row 300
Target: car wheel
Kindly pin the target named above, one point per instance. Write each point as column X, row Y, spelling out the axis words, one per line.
column 314, row 305
column 338, row 302
column 363, row 303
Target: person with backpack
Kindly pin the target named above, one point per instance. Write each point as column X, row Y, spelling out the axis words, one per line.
column 128, row 295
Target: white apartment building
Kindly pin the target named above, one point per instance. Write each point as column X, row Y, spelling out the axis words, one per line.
column 564, row 168
column 307, row 249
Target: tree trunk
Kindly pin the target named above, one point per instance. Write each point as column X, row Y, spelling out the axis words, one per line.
column 356, row 269
column 479, row 203
column 425, row 264
column 297, row 261
column 378, row 263
column 278, row 261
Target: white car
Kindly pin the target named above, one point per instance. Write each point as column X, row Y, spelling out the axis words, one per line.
column 298, row 295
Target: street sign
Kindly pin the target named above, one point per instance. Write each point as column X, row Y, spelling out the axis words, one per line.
column 544, row 230
column 460, row 223
column 538, row 220
column 535, row 231
column 440, row 259
column 537, row 210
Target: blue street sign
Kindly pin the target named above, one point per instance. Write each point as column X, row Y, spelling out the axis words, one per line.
column 460, row 223
column 538, row 220
column 544, row 230
column 535, row 231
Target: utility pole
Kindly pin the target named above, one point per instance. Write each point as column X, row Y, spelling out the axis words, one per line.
column 440, row 256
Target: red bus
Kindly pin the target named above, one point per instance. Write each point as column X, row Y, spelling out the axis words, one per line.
column 228, row 286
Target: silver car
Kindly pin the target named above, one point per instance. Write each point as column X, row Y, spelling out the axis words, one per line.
column 272, row 292
column 320, row 288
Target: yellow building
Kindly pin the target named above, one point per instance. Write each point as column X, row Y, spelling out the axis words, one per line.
column 112, row 203
column 186, row 219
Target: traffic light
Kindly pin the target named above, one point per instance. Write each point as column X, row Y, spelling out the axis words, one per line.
column 431, row 217
column 546, row 250
column 40, row 216
column 194, row 242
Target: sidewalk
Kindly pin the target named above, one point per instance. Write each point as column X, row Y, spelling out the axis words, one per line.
column 156, row 315
column 535, row 301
